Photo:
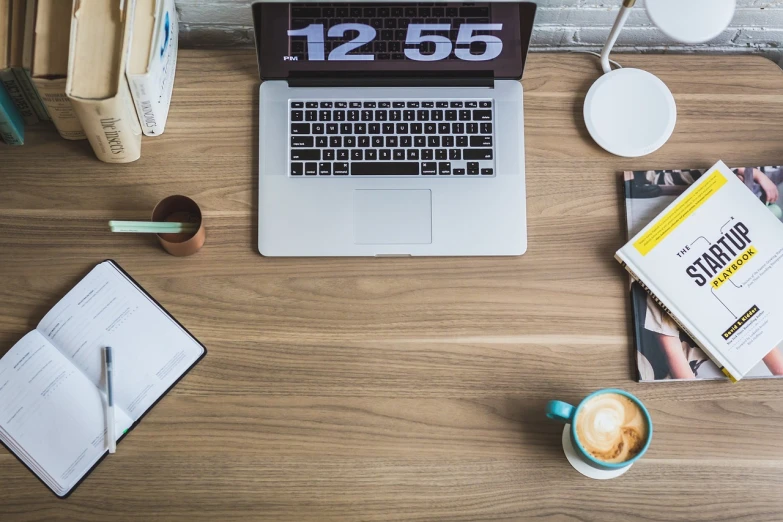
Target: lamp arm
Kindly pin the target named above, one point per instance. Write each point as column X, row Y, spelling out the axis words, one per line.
column 622, row 16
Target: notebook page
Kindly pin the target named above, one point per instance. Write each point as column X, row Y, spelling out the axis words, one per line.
column 150, row 350
column 51, row 415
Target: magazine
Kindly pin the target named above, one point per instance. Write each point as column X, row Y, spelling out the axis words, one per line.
column 663, row 351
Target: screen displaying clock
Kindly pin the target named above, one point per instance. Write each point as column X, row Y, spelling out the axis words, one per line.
column 393, row 38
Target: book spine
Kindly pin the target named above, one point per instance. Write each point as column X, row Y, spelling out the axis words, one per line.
column 684, row 328
column 15, row 91
column 151, row 114
column 59, row 107
column 9, row 132
column 111, row 126
column 31, row 93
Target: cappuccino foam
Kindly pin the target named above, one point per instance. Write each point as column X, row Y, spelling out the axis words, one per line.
column 611, row 427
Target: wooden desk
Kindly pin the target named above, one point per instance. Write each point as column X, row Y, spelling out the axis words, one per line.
column 392, row 389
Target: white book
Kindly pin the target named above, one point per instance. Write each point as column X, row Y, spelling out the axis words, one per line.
column 714, row 261
column 52, row 405
column 153, row 61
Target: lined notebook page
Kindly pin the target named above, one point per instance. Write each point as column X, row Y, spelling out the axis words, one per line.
column 151, row 351
column 51, row 416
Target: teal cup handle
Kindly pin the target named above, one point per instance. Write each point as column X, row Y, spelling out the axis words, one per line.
column 560, row 411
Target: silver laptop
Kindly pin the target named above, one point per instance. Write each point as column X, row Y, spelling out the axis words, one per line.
column 391, row 129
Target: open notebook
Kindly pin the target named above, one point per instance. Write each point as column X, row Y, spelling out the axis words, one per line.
column 52, row 405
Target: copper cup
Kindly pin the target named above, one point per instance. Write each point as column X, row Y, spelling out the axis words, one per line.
column 185, row 210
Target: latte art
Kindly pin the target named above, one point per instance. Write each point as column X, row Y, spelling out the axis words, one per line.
column 611, row 427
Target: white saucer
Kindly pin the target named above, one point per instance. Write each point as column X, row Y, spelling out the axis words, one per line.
column 581, row 466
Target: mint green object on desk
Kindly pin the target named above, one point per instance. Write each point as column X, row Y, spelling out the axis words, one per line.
column 11, row 122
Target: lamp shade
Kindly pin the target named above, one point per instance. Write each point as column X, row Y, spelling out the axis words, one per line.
column 691, row 21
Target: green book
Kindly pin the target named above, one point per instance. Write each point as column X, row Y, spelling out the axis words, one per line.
column 11, row 122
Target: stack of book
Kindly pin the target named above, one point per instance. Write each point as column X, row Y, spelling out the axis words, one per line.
column 103, row 71
column 706, row 257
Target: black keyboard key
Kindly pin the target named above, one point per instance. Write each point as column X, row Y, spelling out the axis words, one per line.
column 462, row 141
column 395, row 115
column 457, row 128
column 301, row 142
column 381, row 115
column 377, row 141
column 311, row 115
column 364, row 142
column 371, row 154
column 485, row 104
column 331, row 128
column 359, row 128
column 436, row 115
column 429, row 168
column 342, row 154
column 442, row 104
column 318, row 128
column 443, row 128
column 338, row 115
column 311, row 105
column 327, row 155
column 471, row 104
column 413, row 154
column 384, row 154
column 398, row 104
column 321, row 141
column 349, row 141
column 325, row 169
column 471, row 12
column 311, row 169
column 297, row 105
column 341, row 105
column 416, row 128
column 384, row 105
column 455, row 154
column 297, row 115
column 413, row 105
column 422, row 115
column 353, row 115
column 433, row 141
column 473, row 167
column 444, row 168
column 335, row 142
column 297, row 169
column 441, row 154
column 472, row 128
column 427, row 154
column 367, row 115
column 355, row 105
column 477, row 154
column 486, row 172
column 369, row 105
column 451, row 115
column 340, row 169
column 419, row 141
column 448, row 141
column 482, row 115
column 399, row 154
column 428, row 104
column 464, row 115
column 481, row 141
column 388, row 128
column 391, row 141
column 326, row 105
column 374, row 128
column 402, row 128
column 357, row 155
column 430, row 128
column 388, row 168
column 409, row 115
column 486, row 128
column 406, row 141
column 346, row 128
column 455, row 105
column 458, row 172
column 305, row 154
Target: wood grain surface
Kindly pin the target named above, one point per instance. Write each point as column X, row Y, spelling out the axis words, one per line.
column 392, row 389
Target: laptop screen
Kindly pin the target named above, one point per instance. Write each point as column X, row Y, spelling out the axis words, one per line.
column 360, row 39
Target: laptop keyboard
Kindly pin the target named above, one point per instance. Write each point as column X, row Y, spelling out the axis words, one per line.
column 392, row 138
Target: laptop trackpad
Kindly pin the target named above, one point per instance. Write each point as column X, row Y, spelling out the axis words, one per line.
column 392, row 217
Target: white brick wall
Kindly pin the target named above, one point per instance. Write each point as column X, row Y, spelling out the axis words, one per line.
column 560, row 25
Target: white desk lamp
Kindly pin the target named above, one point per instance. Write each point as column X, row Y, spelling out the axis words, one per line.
column 630, row 112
